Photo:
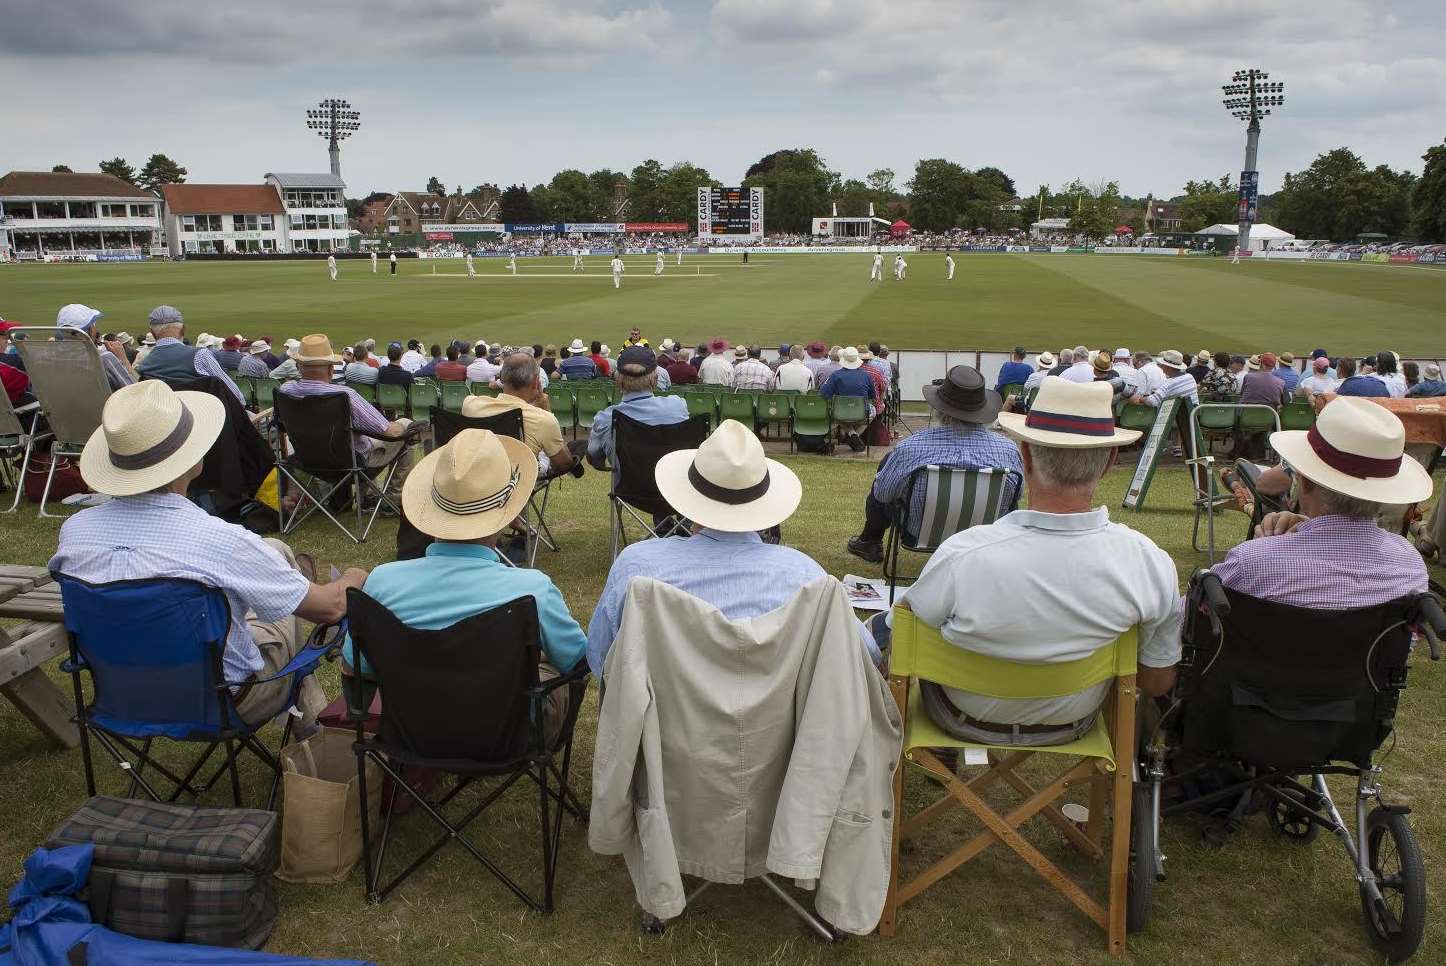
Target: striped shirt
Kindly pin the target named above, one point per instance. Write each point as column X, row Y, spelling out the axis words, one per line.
column 752, row 374
column 166, row 535
column 976, row 449
column 364, row 416
column 205, row 364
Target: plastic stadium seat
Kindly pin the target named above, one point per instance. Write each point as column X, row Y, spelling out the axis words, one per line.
column 452, row 395
column 1297, row 415
column 266, row 392
column 392, row 398
column 367, row 391
column 810, row 417
column 741, row 406
column 774, row 408
column 1217, row 417
column 703, row 404
column 480, row 389
column 1138, row 417
column 247, row 385
column 425, row 396
column 591, row 400
column 564, row 405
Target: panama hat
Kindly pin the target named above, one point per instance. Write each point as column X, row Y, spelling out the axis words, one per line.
column 740, row 352
column 470, row 488
column 1045, row 360
column 1122, row 353
column 1072, row 415
column 1171, row 358
column 962, row 394
column 576, row 346
column 1358, row 449
column 1103, row 362
column 849, row 357
column 314, row 349
column 292, row 345
column 259, row 348
column 149, row 436
column 727, row 483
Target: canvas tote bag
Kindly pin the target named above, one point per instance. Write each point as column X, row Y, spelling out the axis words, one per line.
column 321, row 837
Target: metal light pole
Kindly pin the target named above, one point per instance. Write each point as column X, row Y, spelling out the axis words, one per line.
column 1249, row 96
column 334, row 120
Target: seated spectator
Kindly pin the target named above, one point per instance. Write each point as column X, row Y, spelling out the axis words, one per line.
column 849, row 380
column 699, row 354
column 175, row 363
column 428, row 369
column 962, row 439
column 464, row 494
column 1082, row 369
column 1317, row 381
column 730, row 491
column 412, row 360
column 782, row 359
column 637, row 377
column 1322, row 354
column 1387, row 372
column 1219, row 384
column 484, row 368
column 575, row 363
column 520, row 379
column 145, row 455
column 875, row 358
column 464, row 353
column 817, row 358
column 752, row 374
column 1354, row 385
column 1014, row 372
column 793, row 373
column 635, row 337
column 314, row 361
column 680, row 370
column 1331, row 554
column 1430, row 384
column 881, row 382
column 451, row 369
column 599, row 358
column 829, row 367
column 371, row 354
column 1150, row 372
column 1066, row 360
column 113, row 360
column 1286, row 373
column 230, row 354
column 1043, row 363
column 1411, row 372
column 1104, row 370
column 394, row 373
column 717, row 369
column 1133, row 379
column 1177, row 382
column 253, row 366
column 359, row 369
column 973, row 586
column 549, row 360
column 1260, row 387
column 12, row 370
column 1201, row 367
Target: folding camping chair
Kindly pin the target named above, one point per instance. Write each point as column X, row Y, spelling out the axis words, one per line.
column 67, row 379
column 465, row 700
column 16, row 440
column 1101, row 761
column 320, row 433
column 954, row 500
column 506, row 423
column 153, row 650
column 1213, row 416
column 637, row 447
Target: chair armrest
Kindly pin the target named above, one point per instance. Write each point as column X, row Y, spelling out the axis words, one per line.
column 576, row 675
column 324, row 644
column 27, row 408
column 411, row 432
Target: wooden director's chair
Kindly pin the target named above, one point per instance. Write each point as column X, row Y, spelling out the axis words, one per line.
column 920, row 652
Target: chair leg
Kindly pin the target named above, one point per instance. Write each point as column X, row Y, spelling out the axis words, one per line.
column 235, row 772
column 889, row 920
column 140, row 766
column 84, row 728
column 276, row 771
column 49, row 478
column 20, row 479
column 548, row 852
column 366, row 832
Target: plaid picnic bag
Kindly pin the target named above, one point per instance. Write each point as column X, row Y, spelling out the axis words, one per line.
column 179, row 873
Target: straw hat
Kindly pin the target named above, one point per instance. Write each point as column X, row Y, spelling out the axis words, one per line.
column 727, row 483
column 849, row 357
column 576, row 346
column 1356, row 448
column 1171, row 358
column 472, row 487
column 149, row 435
column 259, row 348
column 1074, row 415
column 740, row 352
column 1045, row 360
column 1103, row 362
column 314, row 349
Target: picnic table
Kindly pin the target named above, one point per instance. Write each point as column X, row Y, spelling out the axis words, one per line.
column 28, row 593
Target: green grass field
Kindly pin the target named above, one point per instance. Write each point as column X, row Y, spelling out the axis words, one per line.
column 994, row 302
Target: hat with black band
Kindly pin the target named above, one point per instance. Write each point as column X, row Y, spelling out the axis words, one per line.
column 727, row 483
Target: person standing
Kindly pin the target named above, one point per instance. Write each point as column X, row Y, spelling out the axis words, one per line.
column 658, row 267
column 617, row 267
column 512, row 262
column 949, row 264
column 576, row 259
column 331, row 266
column 374, row 263
column 393, row 263
column 471, row 269
column 876, row 272
column 680, row 257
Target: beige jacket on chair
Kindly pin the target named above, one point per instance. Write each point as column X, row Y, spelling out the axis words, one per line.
column 726, row 749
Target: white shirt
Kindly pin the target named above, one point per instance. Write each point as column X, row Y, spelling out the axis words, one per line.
column 793, row 374
column 1079, row 372
column 331, row 261
column 1133, row 379
column 1395, row 383
column 1154, row 376
column 482, row 371
column 716, row 370
column 1043, row 588
column 1313, row 384
column 1183, row 386
column 617, row 266
column 1035, row 378
column 412, row 360
column 394, row 258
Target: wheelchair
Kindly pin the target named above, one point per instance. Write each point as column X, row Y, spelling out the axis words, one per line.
column 1270, row 700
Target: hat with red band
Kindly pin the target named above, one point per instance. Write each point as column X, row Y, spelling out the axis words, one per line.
column 1356, row 448
column 1073, row 415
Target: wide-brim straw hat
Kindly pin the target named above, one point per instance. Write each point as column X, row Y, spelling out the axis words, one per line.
column 149, row 436
column 1356, row 448
column 470, row 488
column 727, row 483
column 314, row 348
column 849, row 357
column 1070, row 415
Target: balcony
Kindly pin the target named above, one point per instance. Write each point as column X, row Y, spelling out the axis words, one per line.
column 83, row 224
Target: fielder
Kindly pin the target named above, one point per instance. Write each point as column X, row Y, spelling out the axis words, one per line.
column 577, row 259
column 876, row 273
column 903, row 268
column 1235, row 255
column 949, row 263
column 393, row 261
column 898, row 267
column 471, row 269
column 331, row 266
column 512, row 262
column 658, row 267
column 374, row 263
column 680, row 258
column 617, row 267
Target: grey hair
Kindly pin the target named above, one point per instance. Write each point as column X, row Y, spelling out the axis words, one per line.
column 1082, row 352
column 1066, row 356
column 627, row 383
column 1338, row 504
column 1069, row 467
column 1140, row 358
column 833, row 354
column 519, row 371
column 795, row 352
column 964, row 428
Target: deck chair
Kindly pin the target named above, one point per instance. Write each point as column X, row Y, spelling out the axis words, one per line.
column 506, row 423
column 637, row 447
column 16, row 440
column 954, row 500
column 321, row 436
column 467, row 701
column 153, row 652
column 67, row 379
column 1101, row 760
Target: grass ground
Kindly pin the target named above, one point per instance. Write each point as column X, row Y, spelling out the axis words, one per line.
column 995, row 301
column 1260, row 900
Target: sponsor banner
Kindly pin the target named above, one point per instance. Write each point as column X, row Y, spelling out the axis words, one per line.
column 755, row 212
column 437, row 235
column 1246, row 203
column 705, row 212
column 129, row 257
column 1429, row 259
column 1274, row 256
column 533, row 229
column 1117, row 250
column 1196, row 253
column 982, row 248
column 808, row 249
column 659, row 226
column 595, row 227
column 1376, row 258
column 1042, row 249
column 1161, row 251
column 1078, row 249
column 1403, row 258
column 486, row 228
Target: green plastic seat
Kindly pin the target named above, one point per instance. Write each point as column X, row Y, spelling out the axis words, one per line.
column 424, row 397
column 1216, row 417
column 591, row 400
column 702, row 403
column 247, row 385
column 266, row 392
column 1138, row 417
column 480, row 389
column 452, row 395
column 810, row 417
column 850, row 409
column 367, row 391
column 564, row 405
column 774, row 408
column 391, row 397
column 742, row 406
column 1297, row 415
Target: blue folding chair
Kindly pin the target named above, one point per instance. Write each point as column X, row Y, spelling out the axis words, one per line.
column 153, row 650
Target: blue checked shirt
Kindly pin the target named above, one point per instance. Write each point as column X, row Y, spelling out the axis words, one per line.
column 166, row 535
column 205, row 364
column 364, row 415
column 978, row 449
column 642, row 406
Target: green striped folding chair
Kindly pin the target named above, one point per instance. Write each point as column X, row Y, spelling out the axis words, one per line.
column 954, row 500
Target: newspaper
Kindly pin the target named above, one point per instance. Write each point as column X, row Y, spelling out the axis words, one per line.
column 867, row 593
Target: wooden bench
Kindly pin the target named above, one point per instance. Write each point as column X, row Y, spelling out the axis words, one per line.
column 28, row 593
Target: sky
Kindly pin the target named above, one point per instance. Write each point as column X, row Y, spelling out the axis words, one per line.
column 506, row 91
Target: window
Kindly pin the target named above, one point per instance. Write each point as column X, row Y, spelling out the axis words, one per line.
column 142, row 211
column 265, row 223
column 113, row 211
column 188, row 223
column 200, row 223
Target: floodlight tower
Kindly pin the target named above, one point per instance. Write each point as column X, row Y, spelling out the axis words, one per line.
column 1249, row 96
column 334, row 120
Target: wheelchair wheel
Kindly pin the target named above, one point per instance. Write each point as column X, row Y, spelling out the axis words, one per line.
column 1292, row 822
column 1392, row 853
column 1140, row 889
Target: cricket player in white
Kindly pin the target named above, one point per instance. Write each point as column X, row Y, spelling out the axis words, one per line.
column 876, row 273
column 898, row 267
column 658, row 268
column 512, row 262
column 374, row 263
column 903, row 268
column 680, row 257
column 392, row 262
column 617, row 266
column 577, row 259
column 331, row 266
column 949, row 263
column 471, row 269
column 1235, row 256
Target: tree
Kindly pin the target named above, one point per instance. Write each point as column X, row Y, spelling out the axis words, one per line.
column 61, row 169
column 1207, row 203
column 1095, row 208
column 678, row 192
column 161, row 170
column 570, row 196
column 797, row 187
column 604, row 183
column 853, row 198
column 645, row 191
column 938, row 193
column 516, row 205
column 119, row 168
column 1338, row 197
column 435, row 186
column 1002, row 183
column 1428, row 198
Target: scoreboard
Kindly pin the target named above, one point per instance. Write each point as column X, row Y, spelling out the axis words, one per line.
column 730, row 214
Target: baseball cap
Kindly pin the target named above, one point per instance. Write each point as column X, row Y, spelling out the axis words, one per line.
column 1321, row 363
column 7, row 326
column 1122, row 353
column 637, row 360
column 1267, row 360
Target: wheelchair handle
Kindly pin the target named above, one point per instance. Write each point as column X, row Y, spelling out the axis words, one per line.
column 1433, row 623
column 1217, row 604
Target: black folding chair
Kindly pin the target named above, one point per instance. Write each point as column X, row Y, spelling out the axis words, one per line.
column 465, row 700
column 446, row 425
column 321, row 439
column 1271, row 699
column 637, row 447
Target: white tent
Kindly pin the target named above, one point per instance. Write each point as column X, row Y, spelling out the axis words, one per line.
column 1259, row 234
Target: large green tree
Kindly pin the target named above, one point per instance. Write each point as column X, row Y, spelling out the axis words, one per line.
column 571, row 196
column 1095, row 208
column 516, row 205
column 61, row 169
column 604, row 182
column 1338, row 198
column 939, row 191
column 678, row 192
column 435, row 186
column 119, row 168
column 1428, row 198
column 797, row 188
column 645, row 191
column 160, row 170
column 1207, row 203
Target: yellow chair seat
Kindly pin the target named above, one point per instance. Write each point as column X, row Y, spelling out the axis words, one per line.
column 922, row 732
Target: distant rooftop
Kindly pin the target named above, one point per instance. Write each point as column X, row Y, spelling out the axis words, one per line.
column 293, row 180
column 68, row 184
